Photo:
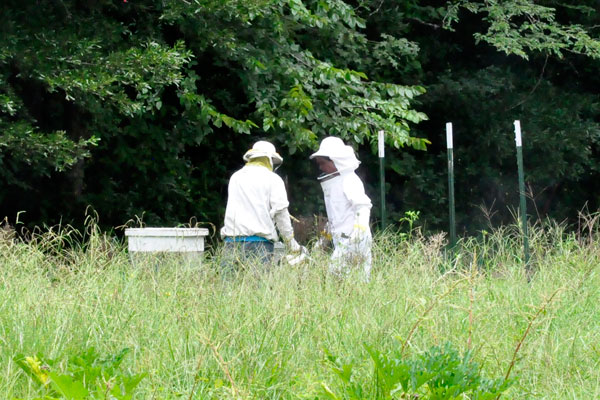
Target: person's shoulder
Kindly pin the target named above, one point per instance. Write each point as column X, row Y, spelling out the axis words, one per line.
column 262, row 172
column 352, row 178
column 276, row 178
column 238, row 172
column 353, row 184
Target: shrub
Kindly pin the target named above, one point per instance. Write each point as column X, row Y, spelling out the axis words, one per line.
column 87, row 377
column 439, row 374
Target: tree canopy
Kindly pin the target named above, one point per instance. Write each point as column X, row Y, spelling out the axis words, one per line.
column 145, row 107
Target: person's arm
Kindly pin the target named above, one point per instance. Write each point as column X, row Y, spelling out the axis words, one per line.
column 361, row 205
column 281, row 216
column 362, row 214
column 284, row 226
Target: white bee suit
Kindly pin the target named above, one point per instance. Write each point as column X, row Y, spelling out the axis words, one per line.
column 348, row 209
column 256, row 197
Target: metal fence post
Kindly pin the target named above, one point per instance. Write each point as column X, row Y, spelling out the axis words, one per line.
column 381, row 146
column 449, row 146
column 523, row 204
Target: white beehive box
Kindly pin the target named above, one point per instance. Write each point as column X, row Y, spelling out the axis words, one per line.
column 171, row 240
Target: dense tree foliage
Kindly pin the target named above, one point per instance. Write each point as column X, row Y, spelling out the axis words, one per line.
column 545, row 76
column 145, row 107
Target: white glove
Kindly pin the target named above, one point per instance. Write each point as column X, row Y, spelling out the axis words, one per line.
column 323, row 240
column 358, row 234
column 297, row 258
column 361, row 224
column 293, row 246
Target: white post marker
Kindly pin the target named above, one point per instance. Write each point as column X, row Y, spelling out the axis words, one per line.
column 451, row 210
column 381, row 146
column 449, row 135
column 518, row 133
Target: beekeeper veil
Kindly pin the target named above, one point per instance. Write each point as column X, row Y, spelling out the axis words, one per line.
column 342, row 155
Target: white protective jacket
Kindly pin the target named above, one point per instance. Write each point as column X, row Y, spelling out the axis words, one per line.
column 256, row 196
column 348, row 209
column 345, row 196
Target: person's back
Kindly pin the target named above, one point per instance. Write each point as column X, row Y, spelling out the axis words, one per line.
column 254, row 195
column 257, row 207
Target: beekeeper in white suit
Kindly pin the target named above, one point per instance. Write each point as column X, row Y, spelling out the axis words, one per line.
column 257, row 207
column 348, row 207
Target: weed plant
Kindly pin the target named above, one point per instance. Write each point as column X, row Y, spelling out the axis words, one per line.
column 269, row 334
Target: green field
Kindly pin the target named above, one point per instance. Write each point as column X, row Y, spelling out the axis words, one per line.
column 266, row 334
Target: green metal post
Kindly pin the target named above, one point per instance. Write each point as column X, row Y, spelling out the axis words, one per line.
column 381, row 145
column 523, row 204
column 449, row 145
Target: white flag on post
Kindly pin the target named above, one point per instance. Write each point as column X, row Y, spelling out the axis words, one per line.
column 449, row 135
column 518, row 133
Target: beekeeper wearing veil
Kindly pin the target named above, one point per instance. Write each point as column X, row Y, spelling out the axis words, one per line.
column 348, row 207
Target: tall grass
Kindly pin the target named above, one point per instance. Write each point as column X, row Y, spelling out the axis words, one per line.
column 263, row 334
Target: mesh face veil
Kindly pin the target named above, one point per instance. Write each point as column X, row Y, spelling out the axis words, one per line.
column 342, row 156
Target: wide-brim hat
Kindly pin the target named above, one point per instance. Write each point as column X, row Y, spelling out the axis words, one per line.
column 263, row 148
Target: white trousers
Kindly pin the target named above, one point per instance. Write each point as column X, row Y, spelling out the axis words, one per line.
column 351, row 253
